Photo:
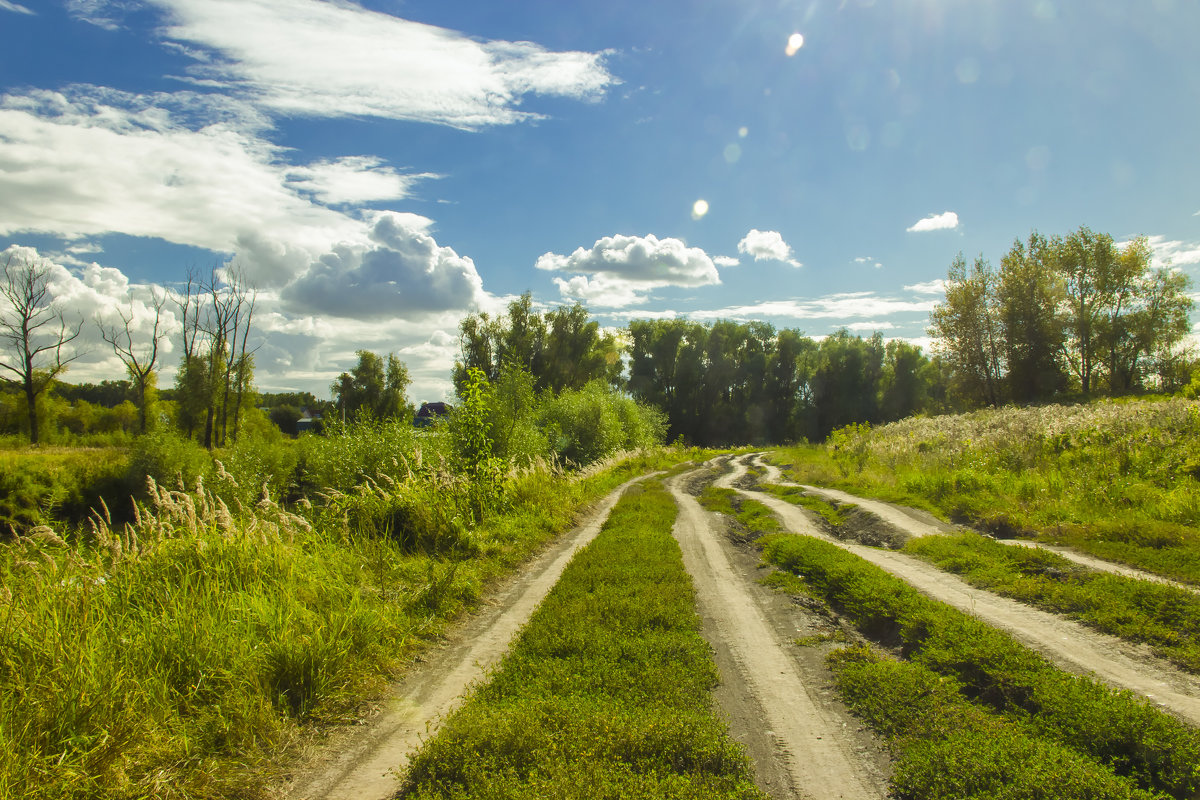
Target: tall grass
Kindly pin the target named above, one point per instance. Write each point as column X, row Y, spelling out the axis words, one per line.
column 180, row 655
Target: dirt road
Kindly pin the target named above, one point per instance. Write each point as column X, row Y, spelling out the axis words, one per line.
column 359, row 763
column 913, row 522
column 1068, row 644
column 775, row 694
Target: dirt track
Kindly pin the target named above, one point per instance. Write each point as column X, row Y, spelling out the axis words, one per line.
column 775, row 694
column 359, row 763
column 1068, row 644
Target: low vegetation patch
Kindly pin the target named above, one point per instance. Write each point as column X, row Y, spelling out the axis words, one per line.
column 755, row 518
column 1053, row 709
column 607, row 692
column 948, row 749
column 1163, row 616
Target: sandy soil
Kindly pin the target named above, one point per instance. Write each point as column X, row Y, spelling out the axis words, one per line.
column 1068, row 644
column 776, row 694
column 361, row 762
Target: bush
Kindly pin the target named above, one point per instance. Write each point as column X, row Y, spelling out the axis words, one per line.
column 588, row 424
column 169, row 458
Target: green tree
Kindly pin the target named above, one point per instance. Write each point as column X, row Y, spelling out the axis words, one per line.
column 373, row 387
column 967, row 331
column 904, row 388
column 1030, row 296
column 1089, row 264
column 561, row 350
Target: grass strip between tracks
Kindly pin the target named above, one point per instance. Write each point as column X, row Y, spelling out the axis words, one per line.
column 971, row 712
column 1165, row 617
column 606, row 693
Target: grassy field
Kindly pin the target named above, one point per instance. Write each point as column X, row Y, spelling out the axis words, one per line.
column 607, row 692
column 181, row 656
column 970, row 712
column 1118, row 480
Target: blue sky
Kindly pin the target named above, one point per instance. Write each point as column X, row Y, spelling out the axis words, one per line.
column 378, row 169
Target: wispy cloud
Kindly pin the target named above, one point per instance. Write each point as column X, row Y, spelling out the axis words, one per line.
column 767, row 246
column 937, row 222
column 322, row 59
column 7, row 5
column 1173, row 251
column 847, row 306
column 869, row 262
column 928, row 287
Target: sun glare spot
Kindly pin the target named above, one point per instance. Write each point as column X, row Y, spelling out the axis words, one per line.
column 743, row 132
column 794, row 43
column 699, row 209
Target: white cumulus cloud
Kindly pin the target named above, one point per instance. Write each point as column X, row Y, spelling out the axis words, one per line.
column 619, row 270
column 401, row 271
column 936, row 222
column 767, row 246
column 1173, row 251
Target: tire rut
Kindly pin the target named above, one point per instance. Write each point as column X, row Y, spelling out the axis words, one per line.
column 812, row 746
column 1068, row 644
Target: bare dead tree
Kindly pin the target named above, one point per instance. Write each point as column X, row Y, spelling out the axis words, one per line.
column 217, row 314
column 139, row 362
column 34, row 332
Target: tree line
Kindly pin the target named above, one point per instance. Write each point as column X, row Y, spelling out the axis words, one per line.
column 720, row 383
column 1064, row 316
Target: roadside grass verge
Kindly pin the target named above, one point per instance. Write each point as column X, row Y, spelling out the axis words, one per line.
column 606, row 693
column 182, row 656
column 1117, row 479
column 949, row 749
column 1163, row 616
column 1053, row 711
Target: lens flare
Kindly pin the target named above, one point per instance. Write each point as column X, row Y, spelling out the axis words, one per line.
column 699, row 208
column 794, row 43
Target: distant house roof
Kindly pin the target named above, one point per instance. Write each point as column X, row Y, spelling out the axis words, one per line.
column 429, row 412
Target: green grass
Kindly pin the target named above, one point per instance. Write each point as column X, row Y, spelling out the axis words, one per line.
column 1119, row 480
column 1112, row 728
column 50, row 485
column 1032, row 730
column 835, row 514
column 753, row 516
column 949, row 749
column 1163, row 616
column 182, row 658
column 606, row 693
